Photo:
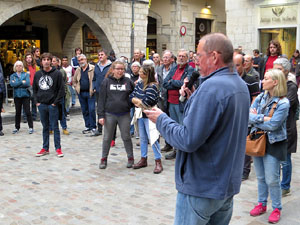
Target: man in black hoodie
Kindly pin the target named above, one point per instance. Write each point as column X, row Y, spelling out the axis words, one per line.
column 48, row 91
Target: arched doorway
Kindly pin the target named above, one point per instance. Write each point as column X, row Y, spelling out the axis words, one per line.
column 48, row 26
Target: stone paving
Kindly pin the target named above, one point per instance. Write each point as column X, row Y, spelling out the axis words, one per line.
column 72, row 190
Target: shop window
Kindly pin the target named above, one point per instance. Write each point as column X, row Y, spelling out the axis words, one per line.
column 285, row 36
column 91, row 45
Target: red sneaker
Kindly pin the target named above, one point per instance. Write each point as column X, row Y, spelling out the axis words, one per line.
column 275, row 216
column 112, row 143
column 42, row 152
column 59, row 153
column 258, row 210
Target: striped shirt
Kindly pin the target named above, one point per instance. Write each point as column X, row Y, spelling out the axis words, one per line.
column 149, row 96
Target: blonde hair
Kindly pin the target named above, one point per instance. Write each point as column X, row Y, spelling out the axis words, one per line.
column 280, row 90
column 18, row 63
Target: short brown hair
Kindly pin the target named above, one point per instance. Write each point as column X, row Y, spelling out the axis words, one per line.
column 46, row 55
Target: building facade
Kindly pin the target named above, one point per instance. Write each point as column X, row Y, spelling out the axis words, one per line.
column 60, row 26
column 253, row 23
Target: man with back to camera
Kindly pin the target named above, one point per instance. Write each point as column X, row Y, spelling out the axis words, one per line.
column 48, row 91
column 211, row 141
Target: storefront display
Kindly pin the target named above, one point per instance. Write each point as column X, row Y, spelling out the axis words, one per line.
column 91, row 45
column 13, row 50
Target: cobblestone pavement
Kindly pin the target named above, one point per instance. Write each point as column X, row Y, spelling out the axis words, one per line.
column 72, row 190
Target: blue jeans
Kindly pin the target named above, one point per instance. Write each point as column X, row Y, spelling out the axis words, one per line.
column 73, row 94
column 286, row 173
column 49, row 115
column 191, row 210
column 131, row 115
column 144, row 137
column 268, row 179
column 63, row 121
column 87, row 104
column 175, row 113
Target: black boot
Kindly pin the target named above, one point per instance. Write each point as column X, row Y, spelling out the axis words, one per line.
column 171, row 155
column 167, row 148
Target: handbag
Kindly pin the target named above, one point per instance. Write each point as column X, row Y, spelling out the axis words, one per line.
column 256, row 142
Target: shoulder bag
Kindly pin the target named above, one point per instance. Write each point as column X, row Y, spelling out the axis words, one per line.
column 257, row 141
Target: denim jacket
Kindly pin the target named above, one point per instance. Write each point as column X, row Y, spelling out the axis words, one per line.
column 20, row 87
column 276, row 127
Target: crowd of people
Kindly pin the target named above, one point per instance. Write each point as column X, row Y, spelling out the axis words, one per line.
column 204, row 123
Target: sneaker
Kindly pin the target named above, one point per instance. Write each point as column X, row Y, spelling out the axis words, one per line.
column 112, row 143
column 275, row 216
column 50, row 131
column 245, row 177
column 15, row 131
column 1, row 133
column 65, row 132
column 30, row 131
column 103, row 163
column 95, row 133
column 68, row 117
column 86, row 131
column 167, row 148
column 42, row 152
column 285, row 192
column 59, row 153
column 130, row 162
column 258, row 210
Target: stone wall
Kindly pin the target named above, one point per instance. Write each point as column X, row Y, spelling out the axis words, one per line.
column 241, row 24
column 109, row 17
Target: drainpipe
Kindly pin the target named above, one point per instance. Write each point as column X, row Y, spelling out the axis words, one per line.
column 132, row 30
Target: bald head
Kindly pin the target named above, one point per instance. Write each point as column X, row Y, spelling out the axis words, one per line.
column 238, row 61
column 247, row 62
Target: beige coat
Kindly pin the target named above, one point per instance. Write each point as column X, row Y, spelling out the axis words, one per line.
column 77, row 77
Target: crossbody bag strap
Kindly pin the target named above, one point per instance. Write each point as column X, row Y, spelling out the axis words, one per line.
column 273, row 108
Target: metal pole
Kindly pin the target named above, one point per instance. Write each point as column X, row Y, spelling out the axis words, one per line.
column 132, row 30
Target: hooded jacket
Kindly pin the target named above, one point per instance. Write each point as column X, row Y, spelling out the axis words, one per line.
column 48, row 87
column 115, row 96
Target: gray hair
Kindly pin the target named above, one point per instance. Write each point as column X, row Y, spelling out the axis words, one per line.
column 82, row 56
column 284, row 62
column 122, row 60
column 18, row 63
column 184, row 51
column 136, row 64
column 148, row 62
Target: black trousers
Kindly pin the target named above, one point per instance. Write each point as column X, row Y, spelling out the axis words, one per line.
column 1, row 105
column 25, row 102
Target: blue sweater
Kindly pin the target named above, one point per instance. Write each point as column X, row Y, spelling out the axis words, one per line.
column 212, row 139
column 20, row 88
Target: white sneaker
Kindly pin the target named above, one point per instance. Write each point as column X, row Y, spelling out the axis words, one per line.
column 30, row 131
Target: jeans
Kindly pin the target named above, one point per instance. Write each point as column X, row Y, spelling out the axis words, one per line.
column 144, row 137
column 191, row 210
column 73, row 94
column 286, row 173
column 49, row 115
column 63, row 121
column 131, row 116
column 110, row 125
column 25, row 102
column 100, row 128
column 87, row 104
column 268, row 179
column 175, row 113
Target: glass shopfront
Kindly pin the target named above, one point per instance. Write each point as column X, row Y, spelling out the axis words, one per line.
column 279, row 22
column 285, row 36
